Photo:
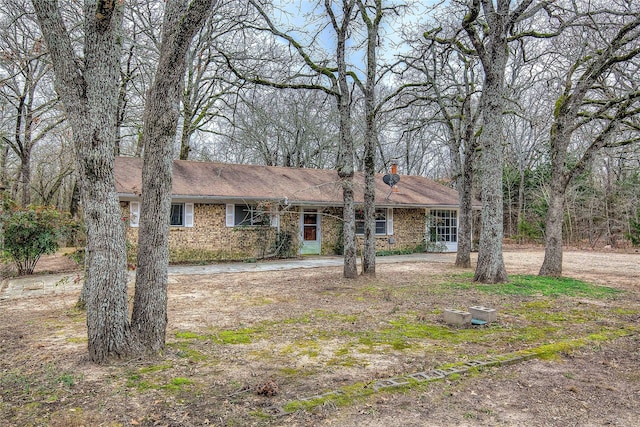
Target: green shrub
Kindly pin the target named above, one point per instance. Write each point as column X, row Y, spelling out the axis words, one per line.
column 31, row 232
column 634, row 230
column 528, row 231
column 283, row 246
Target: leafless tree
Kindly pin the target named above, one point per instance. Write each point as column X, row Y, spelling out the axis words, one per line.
column 182, row 20
column 26, row 91
column 443, row 81
column 88, row 88
column 282, row 127
column 330, row 74
column 599, row 92
column 489, row 28
column 207, row 90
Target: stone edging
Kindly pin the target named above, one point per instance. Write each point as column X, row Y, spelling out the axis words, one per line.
column 417, row 377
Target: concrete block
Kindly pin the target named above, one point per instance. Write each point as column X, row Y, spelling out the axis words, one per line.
column 457, row 317
column 483, row 313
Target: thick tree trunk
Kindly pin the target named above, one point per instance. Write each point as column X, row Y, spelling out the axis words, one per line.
column 465, row 220
column 346, row 157
column 493, row 52
column 106, row 274
column 350, row 270
column 490, row 268
column 90, row 100
column 552, row 264
column 370, row 142
column 149, row 318
column 369, row 255
column 559, row 138
column 345, row 172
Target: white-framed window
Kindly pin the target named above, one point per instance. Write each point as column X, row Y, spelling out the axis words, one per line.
column 383, row 218
column 443, row 226
column 181, row 214
column 177, row 214
column 238, row 215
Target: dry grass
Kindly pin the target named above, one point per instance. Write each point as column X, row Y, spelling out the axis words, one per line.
column 238, row 344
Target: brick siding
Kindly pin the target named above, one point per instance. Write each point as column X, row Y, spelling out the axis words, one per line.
column 210, row 239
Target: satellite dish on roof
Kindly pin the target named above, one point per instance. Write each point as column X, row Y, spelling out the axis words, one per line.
column 391, row 179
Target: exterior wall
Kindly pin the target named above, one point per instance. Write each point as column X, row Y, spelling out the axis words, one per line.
column 331, row 227
column 210, row 239
column 408, row 231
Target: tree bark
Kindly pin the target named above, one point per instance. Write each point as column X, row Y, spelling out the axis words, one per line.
column 345, row 172
column 583, row 76
column 520, row 213
column 182, row 19
column 493, row 54
column 490, row 268
column 4, row 154
column 89, row 96
column 552, row 264
column 347, row 151
column 370, row 140
column 465, row 194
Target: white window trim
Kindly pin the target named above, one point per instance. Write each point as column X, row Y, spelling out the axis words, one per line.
column 432, row 215
column 388, row 219
column 230, row 216
column 274, row 216
column 134, row 214
column 187, row 215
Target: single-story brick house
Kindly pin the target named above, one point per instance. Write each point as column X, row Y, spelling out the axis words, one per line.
column 231, row 211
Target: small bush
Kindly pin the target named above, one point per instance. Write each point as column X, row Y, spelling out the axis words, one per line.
column 283, row 246
column 31, row 232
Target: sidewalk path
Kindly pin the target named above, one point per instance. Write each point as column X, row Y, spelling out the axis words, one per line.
column 67, row 283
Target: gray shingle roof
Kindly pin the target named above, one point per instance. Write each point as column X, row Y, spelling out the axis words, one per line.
column 227, row 182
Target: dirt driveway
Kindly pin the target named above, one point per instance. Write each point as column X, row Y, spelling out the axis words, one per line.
column 242, row 342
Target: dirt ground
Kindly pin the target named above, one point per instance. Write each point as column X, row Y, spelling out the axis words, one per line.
column 239, row 344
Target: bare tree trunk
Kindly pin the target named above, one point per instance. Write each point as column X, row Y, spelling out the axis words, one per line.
column 89, row 95
column 185, row 138
column 4, row 154
column 182, row 19
column 345, row 172
column 25, row 178
column 520, row 213
column 490, row 268
column 552, row 264
column 465, row 192
column 349, row 228
column 370, row 139
column 126, row 76
column 346, row 158
column 493, row 53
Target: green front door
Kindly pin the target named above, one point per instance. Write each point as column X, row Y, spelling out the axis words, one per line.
column 310, row 227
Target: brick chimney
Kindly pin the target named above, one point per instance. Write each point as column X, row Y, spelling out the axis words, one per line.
column 394, row 171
